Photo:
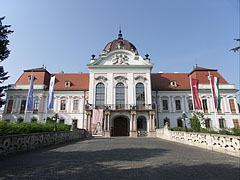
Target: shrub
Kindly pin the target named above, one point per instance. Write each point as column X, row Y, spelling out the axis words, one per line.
column 26, row 128
column 225, row 132
column 236, row 131
column 177, row 129
column 195, row 123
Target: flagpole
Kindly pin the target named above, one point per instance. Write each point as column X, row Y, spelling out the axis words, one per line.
column 25, row 113
column 214, row 106
column 192, row 93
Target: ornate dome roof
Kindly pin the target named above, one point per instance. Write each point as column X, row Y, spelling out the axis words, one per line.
column 120, row 44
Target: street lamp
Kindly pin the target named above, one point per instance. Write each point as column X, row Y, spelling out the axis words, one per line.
column 55, row 118
column 184, row 117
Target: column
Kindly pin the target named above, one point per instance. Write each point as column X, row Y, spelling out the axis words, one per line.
column 183, row 104
column 70, row 104
column 135, row 122
column 153, row 121
column 131, row 122
column 150, row 121
column 87, row 121
column 108, row 121
column 105, row 122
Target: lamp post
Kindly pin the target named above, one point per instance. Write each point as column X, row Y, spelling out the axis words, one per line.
column 55, row 118
column 184, row 117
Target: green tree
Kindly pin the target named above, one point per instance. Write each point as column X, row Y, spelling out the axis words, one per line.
column 236, row 48
column 4, row 53
column 196, row 121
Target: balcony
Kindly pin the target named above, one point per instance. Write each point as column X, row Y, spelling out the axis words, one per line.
column 120, row 107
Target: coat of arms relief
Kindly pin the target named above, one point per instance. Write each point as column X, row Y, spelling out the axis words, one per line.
column 120, row 59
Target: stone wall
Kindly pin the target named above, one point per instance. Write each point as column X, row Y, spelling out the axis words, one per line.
column 215, row 142
column 25, row 142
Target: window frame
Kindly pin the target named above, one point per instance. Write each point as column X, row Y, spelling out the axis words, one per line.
column 9, row 109
column 63, row 106
column 140, row 93
column 120, row 95
column 75, row 104
column 100, row 95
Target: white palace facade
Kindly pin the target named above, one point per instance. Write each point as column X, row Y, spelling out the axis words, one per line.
column 134, row 100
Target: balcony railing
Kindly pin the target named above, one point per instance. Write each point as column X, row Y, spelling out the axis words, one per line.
column 120, row 107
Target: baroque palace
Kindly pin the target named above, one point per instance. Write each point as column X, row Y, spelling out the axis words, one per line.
column 120, row 96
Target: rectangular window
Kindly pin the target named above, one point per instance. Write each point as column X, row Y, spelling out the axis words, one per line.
column 9, row 107
column 235, row 123
column 22, row 107
column 36, row 106
column 74, row 122
column 205, row 107
column 221, row 123
column 63, row 105
column 75, row 105
column 207, row 123
column 178, row 105
column 165, row 105
column 190, row 105
column 232, row 106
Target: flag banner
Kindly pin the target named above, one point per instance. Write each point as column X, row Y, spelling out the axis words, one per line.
column 97, row 121
column 214, row 83
column 196, row 100
column 30, row 96
column 51, row 93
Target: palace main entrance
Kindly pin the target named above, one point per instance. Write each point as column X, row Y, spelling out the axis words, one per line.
column 120, row 127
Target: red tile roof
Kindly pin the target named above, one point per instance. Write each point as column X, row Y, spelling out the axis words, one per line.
column 201, row 69
column 202, row 75
column 79, row 81
column 40, row 77
column 161, row 81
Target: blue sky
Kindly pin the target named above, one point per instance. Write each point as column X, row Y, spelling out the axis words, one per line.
column 63, row 34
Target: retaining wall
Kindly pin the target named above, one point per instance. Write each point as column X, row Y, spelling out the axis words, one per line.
column 215, row 142
column 26, row 142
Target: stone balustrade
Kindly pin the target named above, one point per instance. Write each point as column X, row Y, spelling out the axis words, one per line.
column 215, row 142
column 25, row 142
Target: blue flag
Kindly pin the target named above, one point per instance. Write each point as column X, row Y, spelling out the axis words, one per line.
column 51, row 93
column 30, row 96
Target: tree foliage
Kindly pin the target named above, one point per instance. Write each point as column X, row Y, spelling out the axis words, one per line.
column 4, row 53
column 236, row 48
column 196, row 121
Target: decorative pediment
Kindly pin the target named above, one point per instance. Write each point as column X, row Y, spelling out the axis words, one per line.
column 101, row 78
column 120, row 78
column 120, row 59
column 140, row 78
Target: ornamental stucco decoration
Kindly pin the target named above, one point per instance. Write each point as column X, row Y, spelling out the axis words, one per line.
column 120, row 78
column 101, row 78
column 140, row 78
column 120, row 59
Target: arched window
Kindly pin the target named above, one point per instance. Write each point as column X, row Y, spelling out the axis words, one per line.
column 179, row 122
column 120, row 95
column 100, row 94
column 140, row 95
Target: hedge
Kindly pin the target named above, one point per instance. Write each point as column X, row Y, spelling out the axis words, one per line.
column 26, row 128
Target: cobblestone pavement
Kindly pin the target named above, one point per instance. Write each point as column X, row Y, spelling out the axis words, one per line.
column 119, row 158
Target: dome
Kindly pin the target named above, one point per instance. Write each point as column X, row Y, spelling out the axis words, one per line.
column 120, row 44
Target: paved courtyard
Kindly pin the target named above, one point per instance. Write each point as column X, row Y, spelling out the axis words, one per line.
column 120, row 158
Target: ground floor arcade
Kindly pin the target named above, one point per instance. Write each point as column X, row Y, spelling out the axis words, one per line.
column 125, row 123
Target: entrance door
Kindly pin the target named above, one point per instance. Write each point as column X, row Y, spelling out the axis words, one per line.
column 120, row 127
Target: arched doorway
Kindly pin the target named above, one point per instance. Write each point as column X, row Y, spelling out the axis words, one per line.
column 120, row 127
column 141, row 126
